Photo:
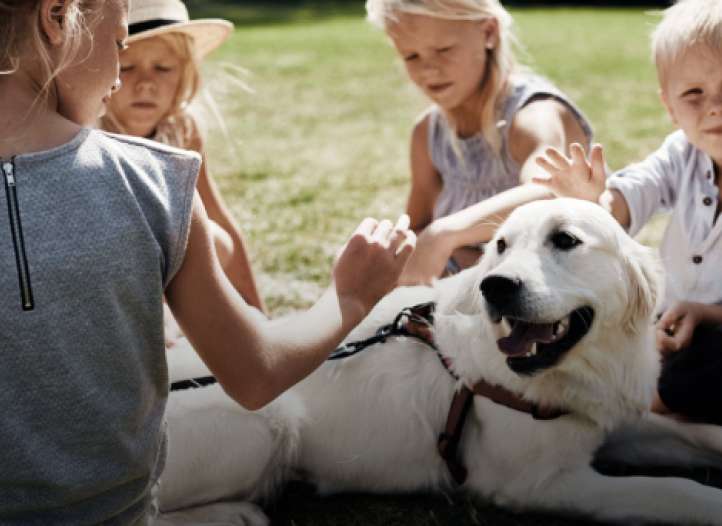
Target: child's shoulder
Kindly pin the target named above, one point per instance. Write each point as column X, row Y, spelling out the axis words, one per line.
column 138, row 146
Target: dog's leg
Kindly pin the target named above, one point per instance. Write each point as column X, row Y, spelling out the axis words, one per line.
column 660, row 441
column 624, row 499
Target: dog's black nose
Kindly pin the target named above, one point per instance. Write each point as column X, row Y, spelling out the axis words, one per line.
column 500, row 290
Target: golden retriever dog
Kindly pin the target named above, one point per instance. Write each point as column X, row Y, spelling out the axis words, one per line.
column 545, row 347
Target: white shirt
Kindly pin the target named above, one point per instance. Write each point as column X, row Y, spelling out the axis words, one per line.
column 679, row 177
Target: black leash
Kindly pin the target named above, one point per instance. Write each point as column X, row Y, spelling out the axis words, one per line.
column 414, row 322
column 193, row 383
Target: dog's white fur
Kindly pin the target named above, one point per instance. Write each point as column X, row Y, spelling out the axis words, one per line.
column 370, row 422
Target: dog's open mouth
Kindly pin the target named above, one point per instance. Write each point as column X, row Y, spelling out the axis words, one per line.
column 531, row 347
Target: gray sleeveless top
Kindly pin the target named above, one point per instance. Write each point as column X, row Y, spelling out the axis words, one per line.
column 90, row 234
column 472, row 171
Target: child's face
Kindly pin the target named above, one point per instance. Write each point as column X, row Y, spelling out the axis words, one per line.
column 84, row 89
column 445, row 58
column 150, row 73
column 692, row 93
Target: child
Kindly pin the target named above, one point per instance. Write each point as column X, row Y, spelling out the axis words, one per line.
column 476, row 145
column 160, row 78
column 97, row 227
column 684, row 176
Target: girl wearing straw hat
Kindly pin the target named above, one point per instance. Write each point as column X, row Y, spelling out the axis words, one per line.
column 160, row 78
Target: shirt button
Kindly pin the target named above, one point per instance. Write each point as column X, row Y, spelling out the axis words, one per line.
column 707, row 201
column 697, row 260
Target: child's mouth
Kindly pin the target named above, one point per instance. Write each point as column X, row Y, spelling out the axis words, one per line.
column 437, row 88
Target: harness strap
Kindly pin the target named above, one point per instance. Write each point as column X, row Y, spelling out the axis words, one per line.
column 449, row 439
column 448, row 442
column 511, row 400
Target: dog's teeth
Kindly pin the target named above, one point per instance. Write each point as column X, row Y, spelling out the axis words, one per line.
column 533, row 350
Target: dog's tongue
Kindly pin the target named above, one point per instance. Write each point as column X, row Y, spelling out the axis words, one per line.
column 524, row 335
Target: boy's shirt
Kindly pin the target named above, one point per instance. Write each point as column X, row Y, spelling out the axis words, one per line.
column 679, row 177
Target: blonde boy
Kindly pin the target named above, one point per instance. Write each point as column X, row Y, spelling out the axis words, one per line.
column 683, row 176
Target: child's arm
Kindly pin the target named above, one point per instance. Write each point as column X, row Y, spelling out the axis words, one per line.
column 676, row 326
column 577, row 177
column 431, row 252
column 237, row 267
column 255, row 359
column 425, row 181
column 536, row 127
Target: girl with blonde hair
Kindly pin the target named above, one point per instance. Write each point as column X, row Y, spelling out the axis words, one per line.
column 98, row 227
column 160, row 79
column 473, row 151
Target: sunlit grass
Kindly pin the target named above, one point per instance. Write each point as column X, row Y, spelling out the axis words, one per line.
column 323, row 141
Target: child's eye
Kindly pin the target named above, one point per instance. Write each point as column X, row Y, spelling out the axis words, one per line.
column 125, row 69
column 692, row 92
column 411, row 57
column 444, row 49
column 163, row 69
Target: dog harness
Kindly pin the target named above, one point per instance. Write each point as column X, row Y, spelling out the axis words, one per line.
column 417, row 322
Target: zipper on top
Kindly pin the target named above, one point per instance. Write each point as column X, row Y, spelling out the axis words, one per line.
column 16, row 227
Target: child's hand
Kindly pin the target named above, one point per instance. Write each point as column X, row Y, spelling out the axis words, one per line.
column 576, row 177
column 676, row 326
column 370, row 263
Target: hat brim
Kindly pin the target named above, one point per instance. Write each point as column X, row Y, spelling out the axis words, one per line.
column 207, row 34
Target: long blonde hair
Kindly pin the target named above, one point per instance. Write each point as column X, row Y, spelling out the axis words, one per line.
column 502, row 61
column 21, row 33
column 177, row 127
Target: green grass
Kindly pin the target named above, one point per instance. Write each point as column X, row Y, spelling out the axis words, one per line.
column 323, row 142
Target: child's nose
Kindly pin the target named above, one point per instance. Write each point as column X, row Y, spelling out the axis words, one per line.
column 715, row 104
column 430, row 66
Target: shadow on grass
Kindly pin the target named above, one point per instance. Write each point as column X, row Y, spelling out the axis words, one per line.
column 257, row 13
column 300, row 506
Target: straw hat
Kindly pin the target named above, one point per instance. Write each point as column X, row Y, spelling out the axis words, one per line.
column 150, row 18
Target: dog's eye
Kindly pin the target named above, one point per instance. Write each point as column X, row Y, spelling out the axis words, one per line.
column 564, row 240
column 500, row 245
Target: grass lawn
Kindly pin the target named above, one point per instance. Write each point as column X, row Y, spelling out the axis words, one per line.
column 323, row 140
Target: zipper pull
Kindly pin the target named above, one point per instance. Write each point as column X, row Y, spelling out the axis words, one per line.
column 9, row 175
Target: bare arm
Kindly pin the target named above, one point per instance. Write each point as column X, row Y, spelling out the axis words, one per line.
column 255, row 359
column 425, row 181
column 234, row 258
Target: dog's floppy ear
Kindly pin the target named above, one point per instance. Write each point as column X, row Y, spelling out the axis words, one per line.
column 644, row 283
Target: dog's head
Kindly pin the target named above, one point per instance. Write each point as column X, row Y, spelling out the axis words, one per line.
column 559, row 274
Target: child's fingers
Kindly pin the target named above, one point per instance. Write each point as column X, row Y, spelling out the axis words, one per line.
column 683, row 336
column 557, row 158
column 383, row 231
column 403, row 245
column 403, row 222
column 665, row 343
column 548, row 167
column 366, row 227
column 577, row 153
column 596, row 157
column 669, row 319
column 402, row 239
